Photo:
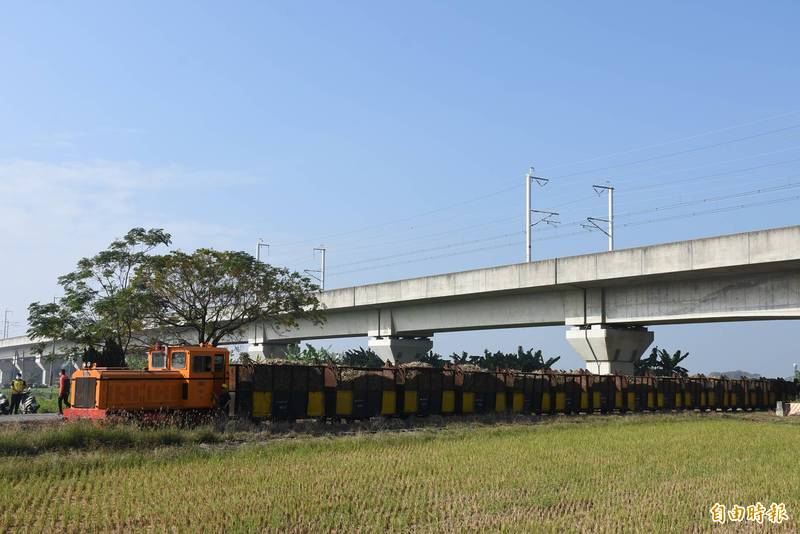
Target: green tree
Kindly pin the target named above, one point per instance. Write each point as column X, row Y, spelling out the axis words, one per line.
column 661, row 363
column 530, row 361
column 209, row 295
column 361, row 357
column 669, row 364
column 136, row 360
column 647, row 364
column 432, row 358
column 459, row 359
column 523, row 360
column 311, row 354
column 101, row 306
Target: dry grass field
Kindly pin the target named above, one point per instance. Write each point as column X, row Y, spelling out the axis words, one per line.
column 644, row 473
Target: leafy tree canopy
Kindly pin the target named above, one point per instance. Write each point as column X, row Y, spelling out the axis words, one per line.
column 208, row 295
column 101, row 307
column 433, row 359
column 523, row 360
column 361, row 357
column 311, row 354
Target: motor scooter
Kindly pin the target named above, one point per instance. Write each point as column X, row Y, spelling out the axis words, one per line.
column 5, row 406
column 28, row 403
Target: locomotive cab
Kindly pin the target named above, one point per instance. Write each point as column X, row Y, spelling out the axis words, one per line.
column 176, row 378
column 204, row 369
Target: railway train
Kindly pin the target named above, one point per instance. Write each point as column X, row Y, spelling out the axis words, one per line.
column 194, row 378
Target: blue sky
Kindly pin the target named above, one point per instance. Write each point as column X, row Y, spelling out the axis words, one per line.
column 397, row 135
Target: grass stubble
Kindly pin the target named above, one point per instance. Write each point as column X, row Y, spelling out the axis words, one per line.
column 642, row 473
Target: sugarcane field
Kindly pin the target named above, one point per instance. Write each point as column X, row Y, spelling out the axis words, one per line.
column 375, row 267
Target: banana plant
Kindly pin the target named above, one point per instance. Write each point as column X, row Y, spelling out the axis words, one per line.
column 668, row 364
column 661, row 363
column 522, row 360
column 361, row 357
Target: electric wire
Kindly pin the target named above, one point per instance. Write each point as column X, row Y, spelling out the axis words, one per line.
column 664, row 184
column 678, row 140
column 336, row 268
column 680, row 152
column 516, row 243
column 504, row 190
column 626, row 191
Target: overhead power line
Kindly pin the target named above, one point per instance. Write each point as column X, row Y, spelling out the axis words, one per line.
column 674, row 172
column 423, row 250
column 681, row 152
column 752, row 192
column 470, row 251
column 368, row 241
column 629, row 190
column 561, row 236
column 673, row 141
column 365, row 243
column 409, row 218
column 760, row 191
column 781, row 200
column 513, row 187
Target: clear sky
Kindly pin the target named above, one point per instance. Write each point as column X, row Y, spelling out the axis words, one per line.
column 397, row 135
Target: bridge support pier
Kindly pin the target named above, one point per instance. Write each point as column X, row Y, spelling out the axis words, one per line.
column 276, row 350
column 42, row 370
column 609, row 349
column 267, row 350
column 400, row 349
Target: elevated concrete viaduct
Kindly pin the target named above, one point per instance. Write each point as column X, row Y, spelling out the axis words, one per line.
column 607, row 300
column 18, row 355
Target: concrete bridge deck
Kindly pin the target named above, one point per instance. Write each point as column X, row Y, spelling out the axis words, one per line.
column 751, row 252
column 746, row 276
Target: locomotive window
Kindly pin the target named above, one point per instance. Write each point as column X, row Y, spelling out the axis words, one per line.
column 219, row 362
column 201, row 364
column 179, row 360
column 158, row 360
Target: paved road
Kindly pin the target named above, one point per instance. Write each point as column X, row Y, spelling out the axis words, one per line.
column 30, row 418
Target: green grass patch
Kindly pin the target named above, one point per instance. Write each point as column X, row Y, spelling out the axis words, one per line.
column 16, row 440
column 46, row 397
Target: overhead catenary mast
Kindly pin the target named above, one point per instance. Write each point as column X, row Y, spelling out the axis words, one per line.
column 6, row 323
column 319, row 274
column 260, row 244
column 609, row 230
column 529, row 224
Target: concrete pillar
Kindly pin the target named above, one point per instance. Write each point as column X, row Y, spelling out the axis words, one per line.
column 610, row 349
column 258, row 350
column 18, row 363
column 275, row 350
column 41, row 371
column 400, row 349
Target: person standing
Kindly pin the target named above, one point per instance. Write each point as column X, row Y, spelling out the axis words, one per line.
column 18, row 385
column 63, row 391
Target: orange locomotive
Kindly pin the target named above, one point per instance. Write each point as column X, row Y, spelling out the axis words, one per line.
column 177, row 378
